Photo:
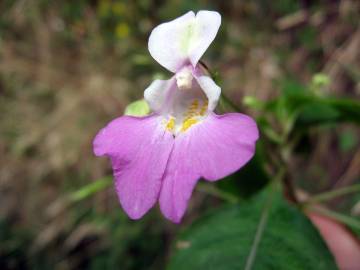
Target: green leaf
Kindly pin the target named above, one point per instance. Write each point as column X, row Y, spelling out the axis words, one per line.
column 304, row 106
column 348, row 140
column 317, row 113
column 349, row 109
column 260, row 234
column 328, row 110
column 307, row 109
column 137, row 108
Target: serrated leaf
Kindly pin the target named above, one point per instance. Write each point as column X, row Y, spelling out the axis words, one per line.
column 224, row 239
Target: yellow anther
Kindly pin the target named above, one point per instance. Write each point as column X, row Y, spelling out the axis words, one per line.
column 192, row 109
column 195, row 103
column 203, row 110
column 187, row 123
column 170, row 124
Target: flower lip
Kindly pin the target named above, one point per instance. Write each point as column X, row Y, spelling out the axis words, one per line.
column 184, row 100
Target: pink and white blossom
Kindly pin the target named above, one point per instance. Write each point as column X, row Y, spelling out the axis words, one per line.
column 161, row 157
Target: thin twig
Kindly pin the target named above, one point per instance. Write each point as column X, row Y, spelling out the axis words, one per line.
column 223, row 96
column 229, row 102
column 214, row 191
column 333, row 194
column 336, row 216
column 289, row 189
column 262, row 223
column 259, row 232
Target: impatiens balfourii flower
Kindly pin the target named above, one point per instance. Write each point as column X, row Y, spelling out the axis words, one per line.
column 160, row 157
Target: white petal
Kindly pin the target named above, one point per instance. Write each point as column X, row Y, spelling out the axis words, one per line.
column 207, row 24
column 211, row 90
column 156, row 93
column 168, row 42
column 183, row 40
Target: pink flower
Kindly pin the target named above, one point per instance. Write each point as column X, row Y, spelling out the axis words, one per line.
column 163, row 155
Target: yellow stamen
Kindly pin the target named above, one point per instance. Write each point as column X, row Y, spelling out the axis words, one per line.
column 194, row 104
column 192, row 110
column 170, row 124
column 187, row 123
column 204, row 108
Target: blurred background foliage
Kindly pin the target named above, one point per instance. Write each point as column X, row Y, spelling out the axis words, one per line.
column 68, row 67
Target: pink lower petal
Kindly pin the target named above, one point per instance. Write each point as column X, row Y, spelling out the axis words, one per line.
column 223, row 144
column 178, row 183
column 213, row 149
column 139, row 149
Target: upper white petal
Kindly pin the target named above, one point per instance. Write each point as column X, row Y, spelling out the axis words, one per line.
column 168, row 40
column 207, row 24
column 183, row 40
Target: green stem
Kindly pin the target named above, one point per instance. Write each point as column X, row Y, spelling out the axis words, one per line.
column 259, row 231
column 263, row 220
column 333, row 194
column 289, row 189
column 213, row 190
column 336, row 216
column 223, row 97
column 230, row 103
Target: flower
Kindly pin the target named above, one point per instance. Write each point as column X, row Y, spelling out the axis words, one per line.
column 160, row 157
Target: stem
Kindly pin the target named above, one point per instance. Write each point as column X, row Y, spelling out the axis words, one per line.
column 289, row 188
column 223, row 96
column 259, row 232
column 230, row 103
column 212, row 190
column 263, row 220
column 208, row 70
column 333, row 194
column 336, row 216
